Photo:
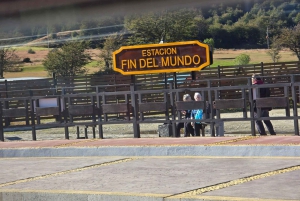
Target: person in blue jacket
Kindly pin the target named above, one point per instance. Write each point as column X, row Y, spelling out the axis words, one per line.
column 197, row 114
column 187, row 114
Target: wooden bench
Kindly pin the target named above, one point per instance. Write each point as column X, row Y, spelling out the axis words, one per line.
column 164, row 130
column 83, row 110
column 192, row 105
column 274, row 102
column 227, row 104
column 12, row 113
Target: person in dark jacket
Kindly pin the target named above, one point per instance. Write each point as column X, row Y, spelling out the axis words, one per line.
column 263, row 93
column 187, row 113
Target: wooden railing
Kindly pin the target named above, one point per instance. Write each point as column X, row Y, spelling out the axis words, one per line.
column 97, row 108
column 275, row 72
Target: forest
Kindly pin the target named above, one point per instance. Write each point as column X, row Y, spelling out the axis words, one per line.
column 248, row 24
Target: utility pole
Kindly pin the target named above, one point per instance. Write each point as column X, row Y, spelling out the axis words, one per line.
column 161, row 41
column 267, row 37
column 48, row 38
column 1, row 62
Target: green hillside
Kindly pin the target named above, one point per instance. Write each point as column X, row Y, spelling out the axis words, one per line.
column 241, row 24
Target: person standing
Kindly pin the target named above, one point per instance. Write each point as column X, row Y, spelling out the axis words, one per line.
column 263, row 93
column 187, row 114
column 197, row 114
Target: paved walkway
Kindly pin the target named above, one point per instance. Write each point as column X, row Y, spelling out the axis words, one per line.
column 225, row 168
column 191, row 141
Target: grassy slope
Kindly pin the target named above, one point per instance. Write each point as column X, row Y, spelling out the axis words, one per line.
column 226, row 57
column 221, row 57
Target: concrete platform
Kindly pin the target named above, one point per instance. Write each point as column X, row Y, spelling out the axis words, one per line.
column 144, row 142
column 198, row 146
column 160, row 169
column 148, row 178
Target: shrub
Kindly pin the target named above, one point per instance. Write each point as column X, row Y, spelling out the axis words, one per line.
column 15, row 69
column 211, row 43
column 54, row 49
column 26, row 60
column 274, row 54
column 53, row 36
column 74, row 34
column 106, row 71
column 69, row 60
column 31, row 51
column 242, row 59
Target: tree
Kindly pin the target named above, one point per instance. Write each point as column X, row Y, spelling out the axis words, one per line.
column 8, row 59
column 297, row 18
column 243, row 36
column 220, row 36
column 290, row 38
column 201, row 27
column 111, row 44
column 69, row 60
column 170, row 26
column 275, row 50
column 211, row 43
column 242, row 59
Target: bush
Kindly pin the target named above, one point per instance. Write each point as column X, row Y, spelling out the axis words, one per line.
column 242, row 59
column 26, row 60
column 15, row 69
column 211, row 43
column 74, row 34
column 105, row 72
column 54, row 49
column 53, row 36
column 31, row 51
column 69, row 60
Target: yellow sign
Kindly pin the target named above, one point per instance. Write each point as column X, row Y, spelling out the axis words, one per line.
column 162, row 58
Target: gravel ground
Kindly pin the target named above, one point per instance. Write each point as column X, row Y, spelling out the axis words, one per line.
column 237, row 128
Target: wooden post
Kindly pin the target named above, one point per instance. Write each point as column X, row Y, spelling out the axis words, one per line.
column 6, row 104
column 218, row 116
column 166, row 80
column 295, row 109
column 100, row 126
column 219, row 82
column 59, row 117
column 175, row 80
column 37, row 104
column 65, row 115
column 245, row 105
column 286, row 94
column 54, row 82
column 93, row 116
column 262, row 68
column 172, row 100
column 32, row 116
column 132, row 79
column 1, row 123
column 135, row 116
column 77, row 132
column 212, row 133
column 251, row 107
column 26, row 110
column 104, row 102
column 167, row 106
column 193, row 74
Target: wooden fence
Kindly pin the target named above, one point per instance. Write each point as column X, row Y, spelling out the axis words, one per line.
column 84, row 84
column 96, row 108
